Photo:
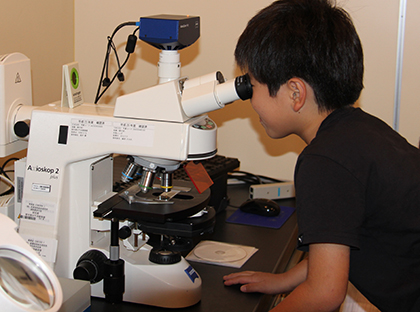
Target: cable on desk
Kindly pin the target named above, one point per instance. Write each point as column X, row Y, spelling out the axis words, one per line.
column 251, row 178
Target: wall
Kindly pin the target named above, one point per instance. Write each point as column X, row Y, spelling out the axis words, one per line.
column 240, row 134
column 43, row 31
column 409, row 125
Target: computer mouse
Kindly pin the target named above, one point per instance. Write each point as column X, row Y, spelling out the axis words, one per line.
column 261, row 206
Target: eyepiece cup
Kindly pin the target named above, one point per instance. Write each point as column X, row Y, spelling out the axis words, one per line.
column 243, row 87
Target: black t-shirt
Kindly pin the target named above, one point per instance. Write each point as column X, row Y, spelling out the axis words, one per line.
column 358, row 184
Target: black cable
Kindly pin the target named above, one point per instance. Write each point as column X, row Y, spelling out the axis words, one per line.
column 105, row 81
column 111, row 45
column 116, row 74
column 3, row 172
column 7, row 161
column 251, row 178
column 8, row 191
column 245, row 177
column 112, row 80
column 270, row 179
column 116, row 55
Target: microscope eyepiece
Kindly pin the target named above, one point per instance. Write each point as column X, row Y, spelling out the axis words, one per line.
column 210, row 92
column 243, row 87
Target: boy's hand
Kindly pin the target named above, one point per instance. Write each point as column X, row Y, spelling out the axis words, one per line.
column 269, row 283
column 266, row 283
column 319, row 283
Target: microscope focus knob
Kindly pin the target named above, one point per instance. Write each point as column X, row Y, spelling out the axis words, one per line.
column 163, row 256
column 90, row 266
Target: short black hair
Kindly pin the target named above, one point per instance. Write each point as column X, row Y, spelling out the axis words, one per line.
column 309, row 39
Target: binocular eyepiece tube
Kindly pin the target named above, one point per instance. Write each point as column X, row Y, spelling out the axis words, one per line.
column 211, row 92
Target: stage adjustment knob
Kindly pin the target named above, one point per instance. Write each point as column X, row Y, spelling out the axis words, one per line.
column 90, row 266
column 124, row 232
column 163, row 256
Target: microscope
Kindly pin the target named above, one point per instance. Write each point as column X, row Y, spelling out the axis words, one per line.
column 125, row 243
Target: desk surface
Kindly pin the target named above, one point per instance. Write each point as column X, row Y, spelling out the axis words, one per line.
column 275, row 247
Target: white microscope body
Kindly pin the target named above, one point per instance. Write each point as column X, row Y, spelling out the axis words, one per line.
column 63, row 181
column 68, row 173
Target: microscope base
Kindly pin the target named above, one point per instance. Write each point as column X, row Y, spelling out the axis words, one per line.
column 162, row 285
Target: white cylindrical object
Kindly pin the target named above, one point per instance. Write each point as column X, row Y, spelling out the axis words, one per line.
column 21, row 113
column 169, row 66
column 190, row 83
column 202, row 139
column 226, row 92
column 200, row 99
column 207, row 93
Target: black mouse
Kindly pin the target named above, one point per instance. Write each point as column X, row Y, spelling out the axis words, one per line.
column 261, row 206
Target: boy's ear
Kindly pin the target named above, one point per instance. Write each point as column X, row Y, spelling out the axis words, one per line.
column 297, row 91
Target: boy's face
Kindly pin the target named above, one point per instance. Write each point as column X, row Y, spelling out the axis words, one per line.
column 274, row 112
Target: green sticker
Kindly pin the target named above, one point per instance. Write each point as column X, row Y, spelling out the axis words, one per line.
column 74, row 78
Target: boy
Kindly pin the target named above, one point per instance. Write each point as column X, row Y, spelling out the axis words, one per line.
column 357, row 182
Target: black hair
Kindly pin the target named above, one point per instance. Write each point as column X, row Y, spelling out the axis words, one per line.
column 309, row 39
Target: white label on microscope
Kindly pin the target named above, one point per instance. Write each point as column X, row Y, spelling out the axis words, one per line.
column 39, row 212
column 90, row 129
column 37, row 187
column 45, row 247
column 131, row 133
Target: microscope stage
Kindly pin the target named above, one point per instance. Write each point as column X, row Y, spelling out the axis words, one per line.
column 163, row 217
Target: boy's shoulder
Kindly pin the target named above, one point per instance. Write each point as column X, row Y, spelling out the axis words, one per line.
column 357, row 140
column 349, row 127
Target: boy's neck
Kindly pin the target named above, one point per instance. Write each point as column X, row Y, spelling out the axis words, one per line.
column 310, row 122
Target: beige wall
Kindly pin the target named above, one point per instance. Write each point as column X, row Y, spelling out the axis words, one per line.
column 44, row 32
column 410, row 103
